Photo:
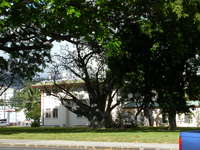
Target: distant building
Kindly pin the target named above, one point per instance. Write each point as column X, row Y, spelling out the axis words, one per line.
column 9, row 113
column 183, row 120
column 192, row 119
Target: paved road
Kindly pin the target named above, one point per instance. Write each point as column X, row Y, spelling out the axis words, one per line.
column 25, row 148
column 80, row 145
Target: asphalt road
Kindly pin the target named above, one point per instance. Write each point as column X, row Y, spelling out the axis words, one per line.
column 26, row 148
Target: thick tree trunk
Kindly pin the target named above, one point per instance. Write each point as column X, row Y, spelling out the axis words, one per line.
column 151, row 121
column 102, row 121
column 108, row 122
column 172, row 120
column 148, row 114
column 147, row 108
column 93, row 123
column 139, row 110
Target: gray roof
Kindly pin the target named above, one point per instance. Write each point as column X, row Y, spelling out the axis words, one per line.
column 195, row 103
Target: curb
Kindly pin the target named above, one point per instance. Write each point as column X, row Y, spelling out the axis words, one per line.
column 85, row 145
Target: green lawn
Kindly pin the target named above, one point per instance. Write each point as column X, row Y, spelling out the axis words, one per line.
column 146, row 135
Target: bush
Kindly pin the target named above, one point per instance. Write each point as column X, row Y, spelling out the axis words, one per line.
column 35, row 124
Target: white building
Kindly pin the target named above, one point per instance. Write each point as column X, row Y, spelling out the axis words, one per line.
column 192, row 119
column 183, row 120
column 53, row 113
column 8, row 112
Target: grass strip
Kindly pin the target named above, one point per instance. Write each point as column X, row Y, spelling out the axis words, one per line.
column 140, row 135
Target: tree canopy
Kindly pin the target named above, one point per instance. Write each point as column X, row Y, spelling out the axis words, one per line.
column 160, row 40
column 156, row 39
column 24, row 49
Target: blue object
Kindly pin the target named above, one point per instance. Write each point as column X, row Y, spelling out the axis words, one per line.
column 189, row 140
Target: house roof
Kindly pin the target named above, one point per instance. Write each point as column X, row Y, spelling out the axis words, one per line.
column 134, row 105
column 195, row 103
column 189, row 103
column 65, row 83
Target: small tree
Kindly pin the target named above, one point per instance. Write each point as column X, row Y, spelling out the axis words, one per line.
column 29, row 100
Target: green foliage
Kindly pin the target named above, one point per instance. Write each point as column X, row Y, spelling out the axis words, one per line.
column 28, row 99
column 35, row 124
column 153, row 40
column 159, row 41
column 72, row 11
column 4, row 4
column 25, row 49
column 114, row 47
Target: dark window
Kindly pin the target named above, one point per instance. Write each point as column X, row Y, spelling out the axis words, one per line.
column 55, row 90
column 48, row 92
column 55, row 113
column 48, row 113
column 188, row 118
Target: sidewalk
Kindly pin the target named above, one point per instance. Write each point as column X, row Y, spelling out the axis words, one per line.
column 85, row 145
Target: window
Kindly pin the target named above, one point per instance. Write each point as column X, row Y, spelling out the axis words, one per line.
column 48, row 113
column 48, row 92
column 55, row 90
column 55, row 113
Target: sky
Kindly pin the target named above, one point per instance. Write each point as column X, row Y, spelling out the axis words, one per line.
column 56, row 49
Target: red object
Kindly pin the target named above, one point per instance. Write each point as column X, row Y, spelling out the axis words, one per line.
column 9, row 110
column 180, row 143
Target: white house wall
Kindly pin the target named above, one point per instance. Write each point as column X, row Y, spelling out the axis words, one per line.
column 50, row 102
column 75, row 120
column 21, row 118
column 65, row 117
column 189, row 120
